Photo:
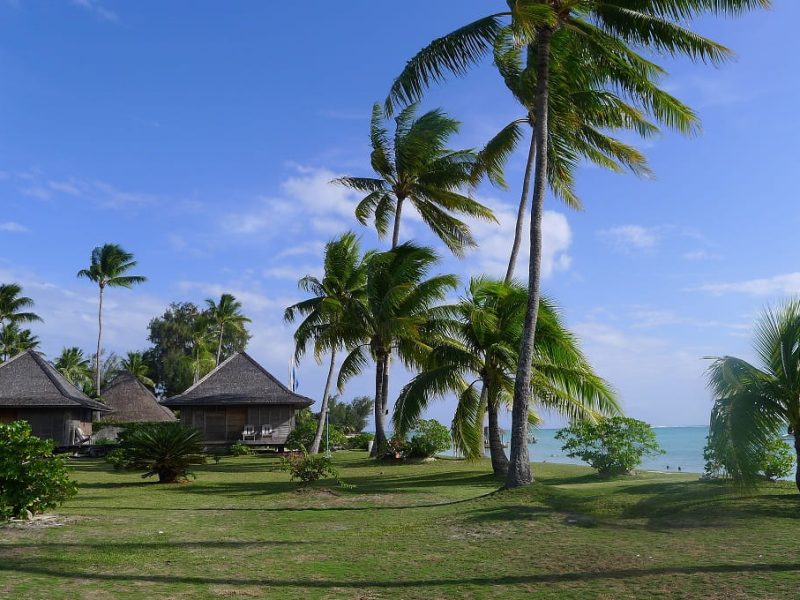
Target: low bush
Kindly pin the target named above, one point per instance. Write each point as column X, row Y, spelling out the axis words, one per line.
column 775, row 462
column 309, row 468
column 428, row 438
column 302, row 436
column 32, row 478
column 360, row 441
column 240, row 449
column 116, row 458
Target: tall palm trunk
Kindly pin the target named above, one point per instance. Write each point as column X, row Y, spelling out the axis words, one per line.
column 519, row 471
column 397, row 213
column 523, row 205
column 324, row 409
column 797, row 453
column 219, row 345
column 380, row 421
column 499, row 460
column 99, row 338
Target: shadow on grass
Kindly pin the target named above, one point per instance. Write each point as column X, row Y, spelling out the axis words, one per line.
column 508, row 513
column 25, row 566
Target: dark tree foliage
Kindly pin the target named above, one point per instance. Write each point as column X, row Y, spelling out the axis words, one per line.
column 172, row 335
column 352, row 417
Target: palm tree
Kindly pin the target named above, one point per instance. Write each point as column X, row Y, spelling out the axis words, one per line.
column 108, row 268
column 753, row 402
column 14, row 340
column 602, row 27
column 399, row 313
column 415, row 166
column 74, row 366
column 226, row 315
column 134, row 364
column 343, row 282
column 202, row 341
column 482, row 349
column 12, row 303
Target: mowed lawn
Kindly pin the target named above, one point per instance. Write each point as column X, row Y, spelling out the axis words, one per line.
column 435, row 530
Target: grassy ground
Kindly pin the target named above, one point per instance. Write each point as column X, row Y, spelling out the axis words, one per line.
column 241, row 529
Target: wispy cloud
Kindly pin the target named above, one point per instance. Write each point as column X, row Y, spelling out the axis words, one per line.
column 700, row 255
column 631, row 237
column 12, row 227
column 786, row 284
column 35, row 184
column 97, row 9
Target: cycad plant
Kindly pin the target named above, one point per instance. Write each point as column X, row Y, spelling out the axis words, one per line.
column 477, row 363
column 324, row 314
column 604, row 28
column 753, row 404
column 167, row 450
column 108, row 268
column 226, row 316
column 416, row 167
column 400, row 314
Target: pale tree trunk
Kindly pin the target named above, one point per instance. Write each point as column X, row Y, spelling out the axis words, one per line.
column 380, row 423
column 396, row 231
column 523, row 206
column 324, row 409
column 99, row 338
column 499, row 460
column 519, row 471
column 219, row 345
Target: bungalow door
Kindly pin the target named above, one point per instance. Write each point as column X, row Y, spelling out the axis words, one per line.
column 236, row 419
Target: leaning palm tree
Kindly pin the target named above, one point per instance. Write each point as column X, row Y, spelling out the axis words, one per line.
column 12, row 304
column 481, row 353
column 74, row 366
column 226, row 315
column 343, row 282
column 399, row 314
column 108, row 268
column 603, row 28
column 415, row 166
column 754, row 402
column 14, row 340
column 134, row 364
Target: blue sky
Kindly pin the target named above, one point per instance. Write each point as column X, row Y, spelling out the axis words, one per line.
column 202, row 136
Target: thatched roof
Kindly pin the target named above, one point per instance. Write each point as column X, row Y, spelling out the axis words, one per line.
column 28, row 380
column 132, row 402
column 238, row 381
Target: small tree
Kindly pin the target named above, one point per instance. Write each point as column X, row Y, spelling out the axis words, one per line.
column 32, row 479
column 302, row 436
column 163, row 449
column 613, row 446
column 428, row 438
column 775, row 459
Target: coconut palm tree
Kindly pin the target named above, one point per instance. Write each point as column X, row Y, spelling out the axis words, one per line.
column 226, row 315
column 754, row 402
column 14, row 340
column 481, row 352
column 12, row 304
column 343, row 282
column 602, row 27
column 74, row 366
column 399, row 314
column 203, row 341
column 415, row 166
column 108, row 268
column 135, row 365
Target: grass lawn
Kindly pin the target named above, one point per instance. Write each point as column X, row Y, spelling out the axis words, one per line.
column 436, row 530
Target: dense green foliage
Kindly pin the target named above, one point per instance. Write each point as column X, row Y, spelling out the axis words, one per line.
column 428, row 437
column 308, row 468
column 613, row 446
column 360, row 441
column 75, row 366
column 163, row 449
column 240, row 449
column 135, row 364
column 302, row 436
column 775, row 461
column 350, row 417
column 14, row 310
column 32, row 478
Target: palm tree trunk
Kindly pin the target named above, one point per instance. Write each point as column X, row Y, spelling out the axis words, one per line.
column 324, row 409
column 519, row 470
column 396, row 232
column 797, row 453
column 523, row 205
column 219, row 345
column 499, row 460
column 99, row 338
column 380, row 426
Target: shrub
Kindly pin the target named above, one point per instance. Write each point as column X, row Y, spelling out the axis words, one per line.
column 116, row 458
column 429, row 437
column 104, row 441
column 240, row 449
column 309, row 468
column 163, row 449
column 32, row 478
column 613, row 446
column 302, row 436
column 360, row 441
column 775, row 462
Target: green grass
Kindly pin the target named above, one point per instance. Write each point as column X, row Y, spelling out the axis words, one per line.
column 438, row 530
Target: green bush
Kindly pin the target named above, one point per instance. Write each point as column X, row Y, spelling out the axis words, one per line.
column 240, row 449
column 775, row 462
column 116, row 458
column 360, row 441
column 103, row 441
column 32, row 478
column 302, row 436
column 163, row 449
column 309, row 468
column 429, row 437
column 613, row 446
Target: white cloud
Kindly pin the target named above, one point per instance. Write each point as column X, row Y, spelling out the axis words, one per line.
column 699, row 255
column 12, row 227
column 102, row 193
column 786, row 284
column 631, row 237
column 100, row 11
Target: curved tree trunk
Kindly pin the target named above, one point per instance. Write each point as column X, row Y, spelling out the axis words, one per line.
column 380, row 425
column 219, row 345
column 499, row 460
column 519, row 471
column 99, row 337
column 324, row 409
column 396, row 232
column 523, row 205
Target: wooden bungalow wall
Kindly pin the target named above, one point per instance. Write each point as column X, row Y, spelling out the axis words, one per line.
column 225, row 423
column 51, row 423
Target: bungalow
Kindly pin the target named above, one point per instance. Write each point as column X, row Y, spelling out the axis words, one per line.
column 132, row 402
column 32, row 390
column 240, row 401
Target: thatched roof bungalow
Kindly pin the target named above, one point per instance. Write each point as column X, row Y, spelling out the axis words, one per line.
column 132, row 402
column 240, row 396
column 31, row 389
